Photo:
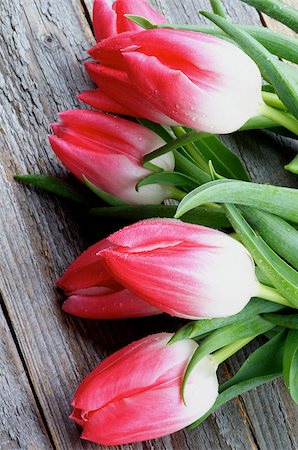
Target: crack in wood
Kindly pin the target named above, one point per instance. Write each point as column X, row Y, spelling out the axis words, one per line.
column 25, row 367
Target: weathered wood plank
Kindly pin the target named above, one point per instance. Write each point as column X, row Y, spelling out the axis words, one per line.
column 21, row 425
column 42, row 54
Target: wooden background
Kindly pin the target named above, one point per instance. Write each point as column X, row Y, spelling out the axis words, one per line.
column 44, row 354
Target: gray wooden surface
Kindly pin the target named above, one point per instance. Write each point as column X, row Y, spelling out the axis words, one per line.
column 44, row 353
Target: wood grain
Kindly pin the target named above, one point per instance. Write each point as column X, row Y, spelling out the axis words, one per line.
column 21, row 425
column 42, row 50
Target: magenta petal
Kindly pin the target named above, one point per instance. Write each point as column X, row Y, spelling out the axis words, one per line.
column 115, row 305
column 87, row 270
column 104, row 20
column 138, row 8
column 99, row 100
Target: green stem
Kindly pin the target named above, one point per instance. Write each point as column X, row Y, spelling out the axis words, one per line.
column 192, row 150
column 181, row 141
column 269, row 293
column 177, row 194
column 229, row 350
column 273, row 100
column 280, row 117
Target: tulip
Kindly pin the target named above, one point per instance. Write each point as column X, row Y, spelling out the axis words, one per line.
column 185, row 270
column 108, row 151
column 94, row 294
column 109, row 20
column 176, row 77
column 135, row 394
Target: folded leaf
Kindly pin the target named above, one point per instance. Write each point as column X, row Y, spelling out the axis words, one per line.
column 276, row 200
column 279, row 235
column 283, row 277
column 284, row 321
column 168, row 178
column 225, row 162
column 290, row 364
column 54, row 185
column 195, row 329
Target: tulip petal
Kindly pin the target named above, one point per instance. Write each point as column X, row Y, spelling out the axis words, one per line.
column 116, row 377
column 99, row 100
column 116, row 85
column 121, row 422
column 114, row 305
column 87, row 270
column 117, row 134
column 182, row 269
column 104, row 20
column 138, row 8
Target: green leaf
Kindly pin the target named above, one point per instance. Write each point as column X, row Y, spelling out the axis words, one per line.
column 187, row 138
column 225, row 336
column 105, row 196
column 283, row 277
column 279, row 235
column 218, row 8
column 258, row 123
column 185, row 164
column 209, row 217
column 264, row 365
column 277, row 200
column 290, row 364
column 284, row 321
column 268, row 64
column 195, row 329
column 55, row 186
column 266, row 360
column 168, row 178
column 141, row 21
column 277, row 10
column 225, row 162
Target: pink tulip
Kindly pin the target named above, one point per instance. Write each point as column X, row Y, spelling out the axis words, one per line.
column 109, row 20
column 135, row 394
column 185, row 270
column 108, row 151
column 94, row 294
column 176, row 77
column 182, row 269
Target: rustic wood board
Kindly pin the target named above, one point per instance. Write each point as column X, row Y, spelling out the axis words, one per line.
column 44, row 353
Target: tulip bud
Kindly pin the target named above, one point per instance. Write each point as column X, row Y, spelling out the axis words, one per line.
column 182, row 269
column 108, row 151
column 94, row 294
column 135, row 394
column 178, row 77
column 109, row 19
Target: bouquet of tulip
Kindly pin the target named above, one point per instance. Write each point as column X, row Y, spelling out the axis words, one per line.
column 224, row 258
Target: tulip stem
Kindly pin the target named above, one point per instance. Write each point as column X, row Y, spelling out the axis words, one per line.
column 177, row 194
column 192, row 150
column 271, row 294
column 229, row 350
column 281, row 117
